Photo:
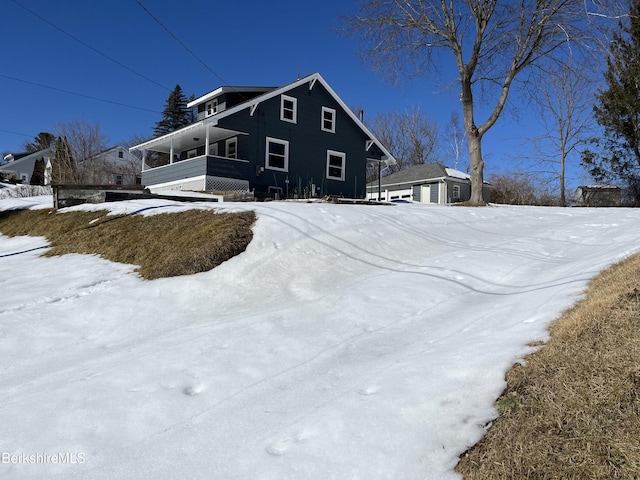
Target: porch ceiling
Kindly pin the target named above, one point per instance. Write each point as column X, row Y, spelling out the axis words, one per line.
column 187, row 138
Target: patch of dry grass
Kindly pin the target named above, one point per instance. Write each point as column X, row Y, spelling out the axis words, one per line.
column 163, row 245
column 572, row 411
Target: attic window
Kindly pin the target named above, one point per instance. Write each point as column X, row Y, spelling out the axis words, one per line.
column 328, row 120
column 120, row 154
column 211, row 107
column 288, row 109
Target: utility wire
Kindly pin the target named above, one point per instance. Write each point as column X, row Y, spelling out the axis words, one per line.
column 28, row 82
column 180, row 42
column 90, row 47
column 16, row 133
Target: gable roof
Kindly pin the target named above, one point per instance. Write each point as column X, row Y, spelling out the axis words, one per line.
column 29, row 157
column 421, row 173
column 199, row 128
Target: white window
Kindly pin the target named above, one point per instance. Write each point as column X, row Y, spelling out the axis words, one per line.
column 192, row 153
column 213, row 149
column 211, row 108
column 456, row 193
column 288, row 109
column 277, row 154
column 328, row 120
column 232, row 147
column 335, row 165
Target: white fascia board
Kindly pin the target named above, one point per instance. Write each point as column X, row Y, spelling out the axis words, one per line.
column 390, row 160
column 254, row 102
column 311, row 79
column 228, row 89
column 205, row 97
column 415, row 182
column 164, row 138
column 425, row 180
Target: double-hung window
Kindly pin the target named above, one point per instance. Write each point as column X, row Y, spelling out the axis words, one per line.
column 211, row 107
column 328, row 120
column 277, row 154
column 335, row 165
column 232, row 147
column 288, row 109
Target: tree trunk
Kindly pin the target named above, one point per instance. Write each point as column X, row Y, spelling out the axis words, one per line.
column 477, row 168
column 474, row 142
column 563, row 195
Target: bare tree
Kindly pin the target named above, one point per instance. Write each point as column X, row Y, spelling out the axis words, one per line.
column 410, row 136
column 564, row 93
column 519, row 189
column 491, row 42
column 77, row 149
column 455, row 139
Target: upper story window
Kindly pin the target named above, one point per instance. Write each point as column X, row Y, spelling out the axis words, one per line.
column 120, row 154
column 328, row 120
column 335, row 165
column 277, row 154
column 232, row 147
column 288, row 109
column 211, row 108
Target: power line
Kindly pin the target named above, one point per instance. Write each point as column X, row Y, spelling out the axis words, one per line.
column 29, row 82
column 16, row 133
column 90, row 47
column 180, row 42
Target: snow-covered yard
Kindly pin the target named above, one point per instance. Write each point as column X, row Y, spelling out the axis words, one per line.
column 347, row 342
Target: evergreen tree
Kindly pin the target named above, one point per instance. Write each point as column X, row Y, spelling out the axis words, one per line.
column 37, row 177
column 175, row 114
column 192, row 113
column 616, row 156
column 41, row 141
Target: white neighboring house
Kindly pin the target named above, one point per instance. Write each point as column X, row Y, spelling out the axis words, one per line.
column 424, row 183
column 114, row 166
column 20, row 165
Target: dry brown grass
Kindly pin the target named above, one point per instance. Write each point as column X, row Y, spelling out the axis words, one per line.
column 163, row 245
column 572, row 410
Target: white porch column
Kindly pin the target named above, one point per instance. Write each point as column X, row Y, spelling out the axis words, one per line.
column 144, row 159
column 206, row 144
column 171, row 153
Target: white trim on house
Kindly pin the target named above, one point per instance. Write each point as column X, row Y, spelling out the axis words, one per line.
column 331, row 119
column 211, row 107
column 269, row 154
column 334, row 155
column 288, row 108
column 220, row 90
column 231, row 148
column 311, row 79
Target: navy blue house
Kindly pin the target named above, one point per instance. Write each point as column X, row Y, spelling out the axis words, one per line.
column 299, row 140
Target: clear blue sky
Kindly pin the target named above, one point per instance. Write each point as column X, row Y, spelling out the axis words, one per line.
column 244, row 42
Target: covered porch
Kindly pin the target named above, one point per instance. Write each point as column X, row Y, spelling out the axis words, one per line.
column 193, row 160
